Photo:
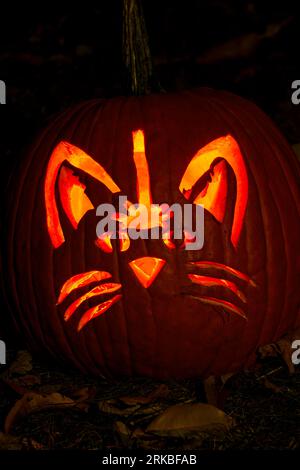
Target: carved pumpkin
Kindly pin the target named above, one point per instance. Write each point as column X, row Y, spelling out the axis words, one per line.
column 152, row 307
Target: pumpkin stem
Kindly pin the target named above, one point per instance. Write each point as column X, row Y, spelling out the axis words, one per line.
column 136, row 51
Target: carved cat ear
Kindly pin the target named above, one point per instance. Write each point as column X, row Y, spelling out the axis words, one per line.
column 71, row 191
column 72, row 195
column 210, row 163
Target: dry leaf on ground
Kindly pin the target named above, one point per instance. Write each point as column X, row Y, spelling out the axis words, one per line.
column 151, row 409
column 22, row 384
column 115, row 407
column 271, row 386
column 84, row 394
column 22, row 363
column 111, row 406
column 123, row 433
column 139, row 433
column 226, row 377
column 211, row 387
column 30, row 444
column 8, row 442
column 32, row 402
column 29, row 380
column 162, row 391
column 15, row 385
column 188, row 420
column 151, row 444
column 132, row 401
column 50, row 388
column 146, row 440
column 215, row 390
column 282, row 348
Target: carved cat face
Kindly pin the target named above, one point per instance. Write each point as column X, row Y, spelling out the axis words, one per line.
column 204, row 182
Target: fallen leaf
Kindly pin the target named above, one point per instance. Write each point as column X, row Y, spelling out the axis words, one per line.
column 132, row 401
column 123, row 433
column 29, row 380
column 282, row 348
column 14, row 385
column 138, row 433
column 22, row 384
column 147, row 441
column 49, row 388
column 32, row 402
column 84, row 394
column 162, row 391
column 30, row 444
column 271, row 386
column 211, row 388
column 8, row 442
column 22, row 363
column 189, row 420
column 135, row 405
column 83, row 406
column 150, row 410
column 151, row 444
column 111, row 406
column 226, row 377
column 215, row 389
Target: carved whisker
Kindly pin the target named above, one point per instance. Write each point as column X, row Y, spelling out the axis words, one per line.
column 225, row 268
column 222, row 303
column 103, row 289
column 94, row 312
column 81, row 280
column 208, row 281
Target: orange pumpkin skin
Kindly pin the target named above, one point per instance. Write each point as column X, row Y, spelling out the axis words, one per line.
column 163, row 330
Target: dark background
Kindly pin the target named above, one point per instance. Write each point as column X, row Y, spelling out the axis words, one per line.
column 53, row 55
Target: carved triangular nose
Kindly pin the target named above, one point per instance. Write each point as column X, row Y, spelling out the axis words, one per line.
column 146, row 269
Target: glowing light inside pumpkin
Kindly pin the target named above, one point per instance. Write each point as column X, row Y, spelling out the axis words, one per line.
column 224, row 304
column 225, row 268
column 227, row 149
column 210, row 162
column 73, row 198
column 104, row 243
column 169, row 244
column 106, row 288
column 80, row 160
column 84, row 279
column 142, row 170
column 81, row 280
column 124, row 241
column 146, row 269
column 208, row 281
column 213, row 196
column 94, row 312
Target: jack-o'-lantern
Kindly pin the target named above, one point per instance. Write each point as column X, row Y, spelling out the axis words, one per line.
column 152, row 306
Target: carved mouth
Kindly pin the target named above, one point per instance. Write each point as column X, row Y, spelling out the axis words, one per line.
column 84, row 279
column 209, row 281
